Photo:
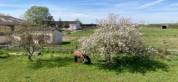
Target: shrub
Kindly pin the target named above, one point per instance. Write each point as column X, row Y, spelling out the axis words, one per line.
column 31, row 43
column 115, row 35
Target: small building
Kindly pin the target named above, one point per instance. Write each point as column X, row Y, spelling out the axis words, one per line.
column 50, row 35
column 9, row 21
column 7, row 27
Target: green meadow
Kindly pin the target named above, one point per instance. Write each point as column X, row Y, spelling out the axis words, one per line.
column 58, row 65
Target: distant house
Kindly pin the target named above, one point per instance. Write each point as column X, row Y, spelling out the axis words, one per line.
column 50, row 35
column 69, row 25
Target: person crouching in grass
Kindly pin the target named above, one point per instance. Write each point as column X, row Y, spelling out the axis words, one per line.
column 80, row 57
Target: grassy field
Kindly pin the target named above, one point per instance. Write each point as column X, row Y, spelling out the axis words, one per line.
column 160, row 38
column 60, row 67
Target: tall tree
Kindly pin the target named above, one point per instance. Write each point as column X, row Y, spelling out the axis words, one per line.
column 36, row 15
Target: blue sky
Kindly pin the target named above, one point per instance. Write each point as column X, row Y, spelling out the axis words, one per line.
column 142, row 11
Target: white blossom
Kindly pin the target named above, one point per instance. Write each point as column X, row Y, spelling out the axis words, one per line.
column 114, row 35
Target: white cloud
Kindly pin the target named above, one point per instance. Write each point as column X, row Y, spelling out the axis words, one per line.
column 150, row 4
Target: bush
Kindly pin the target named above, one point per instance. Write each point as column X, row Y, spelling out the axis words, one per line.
column 115, row 35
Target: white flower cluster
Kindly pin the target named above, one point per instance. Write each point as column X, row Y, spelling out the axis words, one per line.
column 114, row 35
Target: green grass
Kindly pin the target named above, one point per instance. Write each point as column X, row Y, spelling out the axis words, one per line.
column 82, row 33
column 71, row 40
column 59, row 66
column 160, row 38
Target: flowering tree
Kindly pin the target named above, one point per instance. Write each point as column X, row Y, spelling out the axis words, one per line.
column 115, row 35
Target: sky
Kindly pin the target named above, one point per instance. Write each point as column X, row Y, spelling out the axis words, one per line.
column 88, row 11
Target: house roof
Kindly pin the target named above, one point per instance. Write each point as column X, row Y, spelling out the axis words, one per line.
column 9, row 20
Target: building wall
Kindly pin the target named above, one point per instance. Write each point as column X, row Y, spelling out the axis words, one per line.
column 57, row 37
column 5, row 40
column 74, row 26
column 50, row 37
column 47, row 35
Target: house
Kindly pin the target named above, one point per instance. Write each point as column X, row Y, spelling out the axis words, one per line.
column 7, row 26
column 69, row 25
column 50, row 35
column 9, row 20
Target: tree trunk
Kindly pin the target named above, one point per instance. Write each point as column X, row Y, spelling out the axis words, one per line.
column 108, row 58
column 30, row 58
